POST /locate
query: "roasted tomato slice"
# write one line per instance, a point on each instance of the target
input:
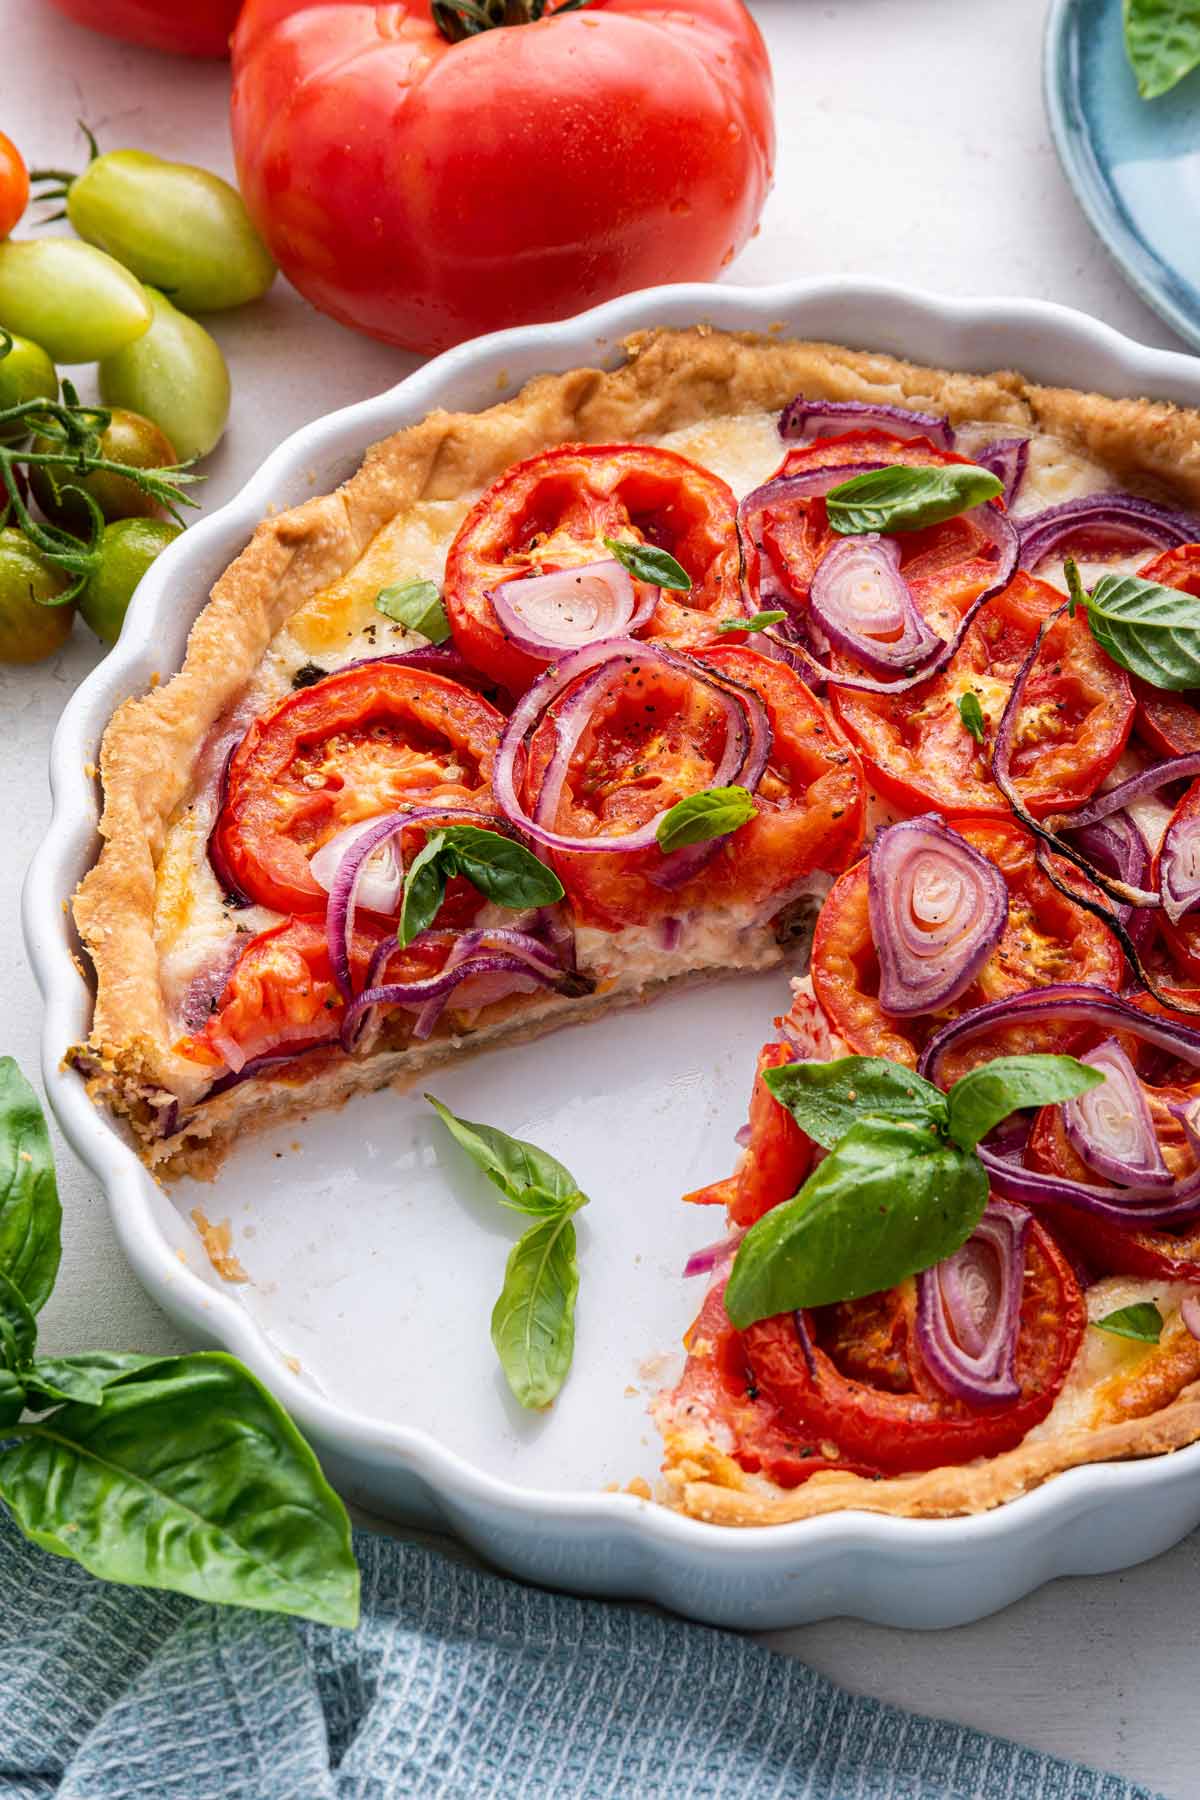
(657, 736)
(1170, 723)
(719, 1385)
(1182, 939)
(1077, 714)
(777, 1156)
(861, 1386)
(947, 566)
(1108, 1248)
(353, 746)
(1047, 939)
(554, 512)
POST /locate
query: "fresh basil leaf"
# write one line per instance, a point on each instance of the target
(1162, 41)
(529, 1179)
(424, 889)
(503, 870)
(759, 622)
(417, 606)
(712, 814)
(82, 1378)
(646, 562)
(18, 1327)
(30, 1213)
(971, 714)
(12, 1398)
(1150, 630)
(189, 1477)
(980, 1100)
(892, 1199)
(826, 1098)
(1141, 1321)
(533, 1322)
(903, 499)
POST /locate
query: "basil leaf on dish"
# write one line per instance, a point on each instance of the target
(971, 714)
(827, 1098)
(417, 606)
(55, 1379)
(503, 870)
(893, 1198)
(699, 817)
(424, 889)
(30, 1213)
(646, 562)
(759, 622)
(191, 1477)
(18, 1327)
(1162, 42)
(533, 1321)
(529, 1179)
(12, 1398)
(981, 1099)
(899, 499)
(1141, 1321)
(1150, 630)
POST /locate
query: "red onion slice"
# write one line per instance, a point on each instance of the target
(809, 420)
(382, 879)
(938, 909)
(1179, 863)
(747, 747)
(548, 615)
(1115, 799)
(787, 490)
(712, 1256)
(439, 659)
(1110, 1126)
(865, 607)
(1122, 522)
(523, 961)
(1189, 1312)
(969, 1310)
(1134, 1207)
(1007, 459)
(1115, 846)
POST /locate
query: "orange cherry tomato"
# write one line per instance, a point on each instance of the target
(14, 185)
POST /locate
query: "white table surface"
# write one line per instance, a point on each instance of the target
(912, 146)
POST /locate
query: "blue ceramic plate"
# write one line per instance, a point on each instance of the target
(1134, 164)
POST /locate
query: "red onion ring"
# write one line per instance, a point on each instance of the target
(970, 1348)
(748, 742)
(1007, 459)
(1134, 1207)
(1117, 848)
(517, 955)
(786, 489)
(439, 659)
(813, 419)
(1110, 1126)
(711, 1256)
(1123, 519)
(864, 605)
(938, 909)
(1112, 800)
(1179, 863)
(605, 601)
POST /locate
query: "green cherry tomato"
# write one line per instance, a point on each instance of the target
(129, 438)
(177, 227)
(26, 373)
(30, 629)
(126, 550)
(72, 299)
(176, 376)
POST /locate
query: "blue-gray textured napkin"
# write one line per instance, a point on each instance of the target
(457, 1684)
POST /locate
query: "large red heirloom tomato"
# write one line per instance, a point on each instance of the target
(425, 187)
(190, 27)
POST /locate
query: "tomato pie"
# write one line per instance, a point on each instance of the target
(744, 649)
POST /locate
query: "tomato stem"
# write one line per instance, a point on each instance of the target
(460, 19)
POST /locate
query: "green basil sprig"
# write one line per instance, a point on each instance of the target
(504, 872)
(1162, 42)
(176, 1472)
(760, 622)
(417, 606)
(1142, 1321)
(902, 1186)
(699, 817)
(533, 1321)
(646, 562)
(1150, 630)
(900, 499)
(971, 714)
